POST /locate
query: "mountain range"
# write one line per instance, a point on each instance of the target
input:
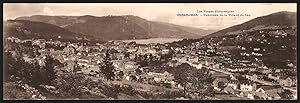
(130, 27)
(119, 27)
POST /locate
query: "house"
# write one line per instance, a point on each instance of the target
(70, 57)
(216, 66)
(272, 76)
(180, 55)
(165, 77)
(132, 56)
(69, 50)
(248, 94)
(41, 61)
(131, 77)
(233, 76)
(132, 49)
(206, 61)
(151, 51)
(179, 86)
(173, 63)
(269, 92)
(144, 51)
(69, 66)
(240, 68)
(119, 56)
(84, 59)
(130, 66)
(193, 59)
(97, 59)
(85, 64)
(92, 71)
(233, 84)
(251, 76)
(119, 64)
(265, 70)
(286, 81)
(197, 65)
(95, 53)
(165, 51)
(250, 86)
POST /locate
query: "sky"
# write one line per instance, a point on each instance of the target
(163, 12)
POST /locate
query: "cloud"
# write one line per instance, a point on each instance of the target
(48, 11)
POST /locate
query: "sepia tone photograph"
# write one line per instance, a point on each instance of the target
(149, 51)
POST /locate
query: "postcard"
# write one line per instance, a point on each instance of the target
(150, 51)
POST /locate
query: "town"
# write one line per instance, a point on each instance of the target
(147, 66)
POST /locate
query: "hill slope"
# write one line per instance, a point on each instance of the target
(119, 27)
(275, 20)
(271, 38)
(24, 29)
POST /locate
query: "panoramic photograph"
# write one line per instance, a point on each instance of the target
(149, 51)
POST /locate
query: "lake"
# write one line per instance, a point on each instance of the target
(153, 40)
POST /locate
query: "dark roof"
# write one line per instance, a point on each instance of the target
(246, 81)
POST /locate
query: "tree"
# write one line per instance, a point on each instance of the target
(121, 74)
(138, 71)
(194, 80)
(221, 85)
(107, 68)
(166, 57)
(286, 94)
(32, 73)
(23, 70)
(143, 63)
(37, 75)
(180, 73)
(50, 72)
(126, 54)
(43, 74)
(9, 63)
(76, 67)
(151, 58)
(70, 86)
(144, 58)
(12, 91)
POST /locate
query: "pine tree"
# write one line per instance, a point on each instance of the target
(49, 69)
(107, 67)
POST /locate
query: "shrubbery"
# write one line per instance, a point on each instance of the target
(12, 91)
